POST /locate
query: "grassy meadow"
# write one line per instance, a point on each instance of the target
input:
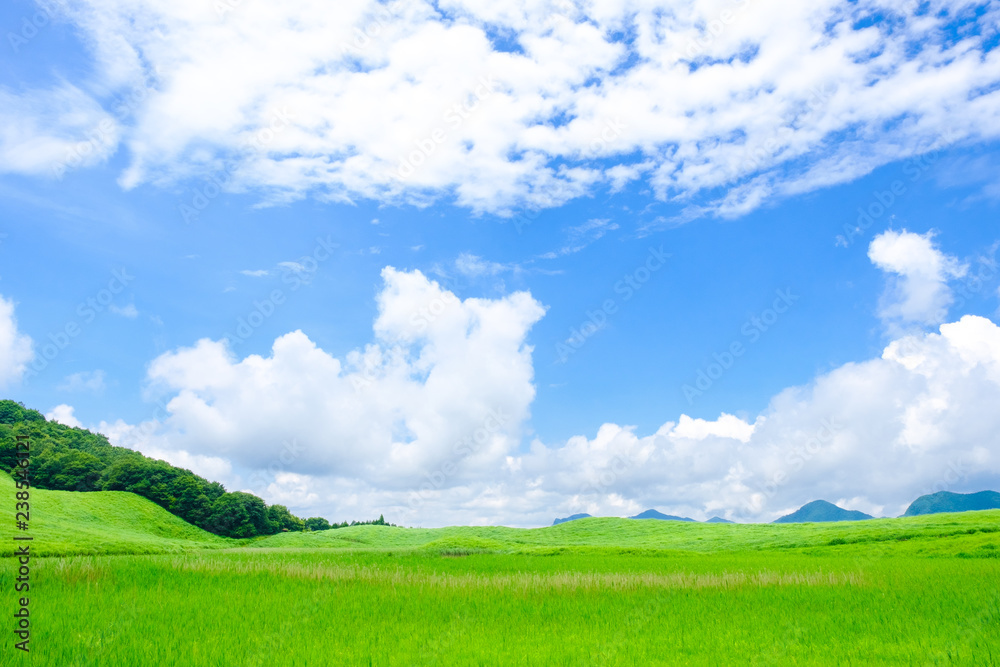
(124, 583)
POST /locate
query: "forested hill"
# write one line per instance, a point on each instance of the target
(75, 459)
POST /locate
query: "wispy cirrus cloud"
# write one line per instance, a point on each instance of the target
(85, 381)
(474, 266)
(128, 311)
(580, 236)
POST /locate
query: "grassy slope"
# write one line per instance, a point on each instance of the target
(114, 522)
(104, 522)
(967, 531)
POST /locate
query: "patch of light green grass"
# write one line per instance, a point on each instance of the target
(921, 590)
(262, 607)
(102, 522)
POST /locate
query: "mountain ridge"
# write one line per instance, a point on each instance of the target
(947, 501)
(653, 514)
(821, 510)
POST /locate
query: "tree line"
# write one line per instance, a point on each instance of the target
(74, 459)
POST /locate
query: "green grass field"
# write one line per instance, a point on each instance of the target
(125, 583)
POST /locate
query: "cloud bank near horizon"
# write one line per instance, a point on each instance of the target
(427, 424)
(719, 107)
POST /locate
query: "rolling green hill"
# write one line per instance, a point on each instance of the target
(116, 522)
(101, 522)
(64, 458)
(974, 533)
(946, 501)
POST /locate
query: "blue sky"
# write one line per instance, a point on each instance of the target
(677, 187)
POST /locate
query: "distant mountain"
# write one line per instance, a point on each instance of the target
(653, 514)
(718, 519)
(570, 518)
(820, 510)
(946, 501)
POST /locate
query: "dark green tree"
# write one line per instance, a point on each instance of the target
(190, 500)
(317, 523)
(239, 514)
(12, 412)
(283, 519)
(70, 470)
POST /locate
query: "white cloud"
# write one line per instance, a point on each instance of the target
(15, 347)
(257, 273)
(89, 381)
(64, 415)
(425, 425)
(872, 435)
(474, 266)
(143, 438)
(580, 236)
(726, 426)
(593, 229)
(291, 490)
(919, 292)
(762, 101)
(47, 132)
(128, 311)
(440, 370)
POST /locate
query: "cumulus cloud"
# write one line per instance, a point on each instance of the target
(144, 438)
(441, 373)
(919, 292)
(871, 435)
(64, 415)
(15, 347)
(756, 101)
(426, 425)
